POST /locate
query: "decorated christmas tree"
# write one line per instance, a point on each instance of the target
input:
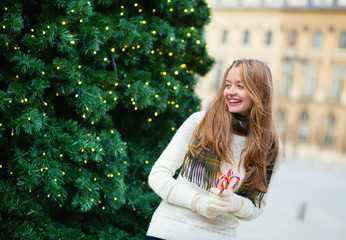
(90, 94)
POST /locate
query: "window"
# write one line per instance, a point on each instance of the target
(224, 36)
(282, 123)
(292, 38)
(219, 74)
(287, 78)
(246, 37)
(330, 131)
(337, 82)
(317, 39)
(335, 3)
(342, 40)
(310, 80)
(269, 38)
(304, 130)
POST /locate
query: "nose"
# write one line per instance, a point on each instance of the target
(231, 90)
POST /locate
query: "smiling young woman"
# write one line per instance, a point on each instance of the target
(236, 132)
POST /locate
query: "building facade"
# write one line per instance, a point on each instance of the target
(304, 44)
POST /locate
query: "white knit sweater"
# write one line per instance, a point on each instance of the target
(174, 219)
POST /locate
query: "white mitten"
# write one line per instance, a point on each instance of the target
(206, 206)
(228, 200)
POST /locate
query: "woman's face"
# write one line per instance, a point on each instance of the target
(235, 94)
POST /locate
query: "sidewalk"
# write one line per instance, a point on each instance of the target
(321, 186)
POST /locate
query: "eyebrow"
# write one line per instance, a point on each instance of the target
(227, 80)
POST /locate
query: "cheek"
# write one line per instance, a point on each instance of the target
(224, 93)
(248, 100)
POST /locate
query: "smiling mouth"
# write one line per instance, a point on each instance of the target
(234, 101)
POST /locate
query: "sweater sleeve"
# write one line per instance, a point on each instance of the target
(161, 176)
(249, 211)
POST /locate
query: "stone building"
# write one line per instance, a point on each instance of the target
(304, 44)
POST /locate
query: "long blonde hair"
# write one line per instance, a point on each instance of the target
(215, 130)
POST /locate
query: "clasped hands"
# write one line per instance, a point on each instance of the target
(214, 205)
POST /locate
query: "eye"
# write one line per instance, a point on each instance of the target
(240, 86)
(227, 85)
